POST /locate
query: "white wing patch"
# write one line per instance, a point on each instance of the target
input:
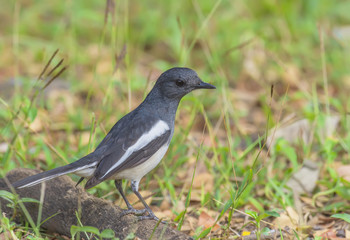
(157, 130)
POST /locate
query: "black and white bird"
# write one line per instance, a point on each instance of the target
(136, 143)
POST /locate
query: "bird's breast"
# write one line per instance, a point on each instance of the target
(136, 173)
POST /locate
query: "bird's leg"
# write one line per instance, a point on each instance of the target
(130, 210)
(134, 188)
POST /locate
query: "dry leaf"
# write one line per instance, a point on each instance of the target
(319, 233)
(347, 234)
(207, 221)
(292, 75)
(326, 222)
(104, 67)
(301, 130)
(201, 179)
(36, 125)
(165, 205)
(304, 180)
(331, 234)
(7, 235)
(180, 206)
(298, 130)
(193, 222)
(166, 214)
(306, 200)
(204, 179)
(289, 218)
(344, 172)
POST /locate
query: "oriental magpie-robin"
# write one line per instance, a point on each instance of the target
(136, 143)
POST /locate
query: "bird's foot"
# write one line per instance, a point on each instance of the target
(151, 216)
(137, 212)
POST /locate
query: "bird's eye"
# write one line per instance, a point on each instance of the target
(180, 83)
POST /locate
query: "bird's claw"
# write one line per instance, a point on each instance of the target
(140, 213)
(137, 212)
(151, 216)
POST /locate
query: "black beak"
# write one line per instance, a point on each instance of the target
(205, 85)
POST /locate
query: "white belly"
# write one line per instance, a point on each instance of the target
(86, 173)
(136, 173)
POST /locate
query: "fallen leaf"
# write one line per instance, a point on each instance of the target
(193, 222)
(326, 222)
(319, 233)
(301, 130)
(298, 130)
(207, 221)
(347, 234)
(306, 200)
(204, 179)
(165, 205)
(201, 179)
(36, 125)
(344, 172)
(291, 75)
(180, 206)
(289, 218)
(163, 214)
(331, 234)
(304, 180)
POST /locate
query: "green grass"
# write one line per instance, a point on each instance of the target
(242, 47)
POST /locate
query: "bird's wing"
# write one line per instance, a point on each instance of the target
(137, 139)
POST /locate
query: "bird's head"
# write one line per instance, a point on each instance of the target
(177, 82)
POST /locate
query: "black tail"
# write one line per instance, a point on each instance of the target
(77, 166)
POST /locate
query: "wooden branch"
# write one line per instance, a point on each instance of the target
(62, 200)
